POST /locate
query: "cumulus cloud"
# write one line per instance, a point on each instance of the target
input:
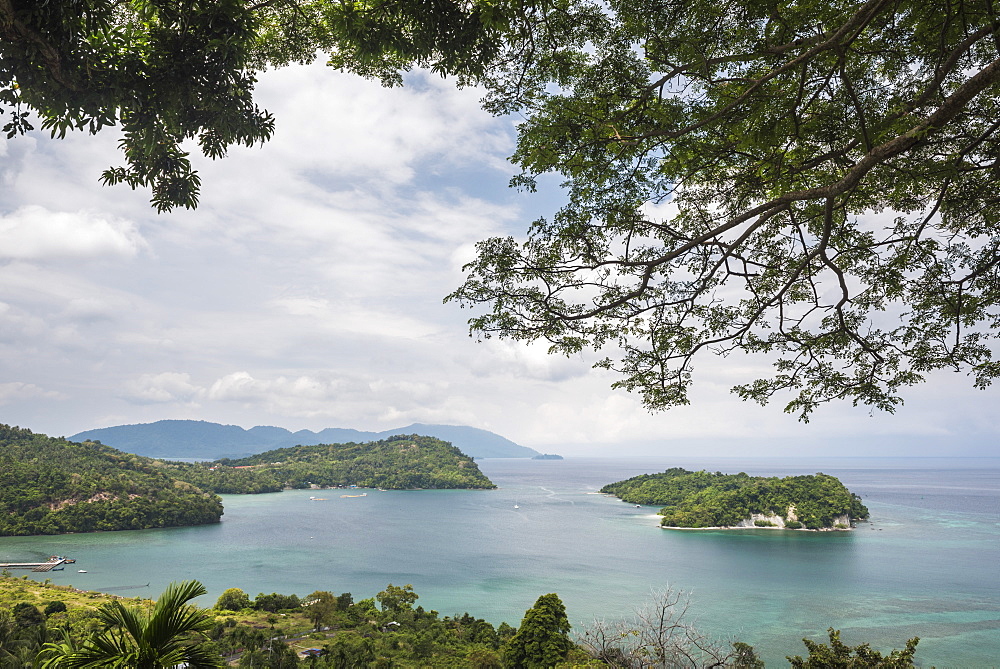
(166, 387)
(306, 289)
(343, 400)
(365, 130)
(353, 318)
(16, 390)
(528, 361)
(282, 390)
(18, 327)
(33, 232)
(95, 307)
(239, 386)
(417, 389)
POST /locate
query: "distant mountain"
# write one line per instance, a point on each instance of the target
(201, 439)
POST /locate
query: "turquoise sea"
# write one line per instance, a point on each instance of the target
(927, 565)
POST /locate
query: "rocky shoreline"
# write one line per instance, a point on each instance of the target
(841, 523)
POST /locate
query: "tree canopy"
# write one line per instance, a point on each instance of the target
(839, 654)
(233, 599)
(168, 71)
(808, 183)
(659, 635)
(101, 630)
(542, 640)
(169, 635)
(52, 486)
(811, 184)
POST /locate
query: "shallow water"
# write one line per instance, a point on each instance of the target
(928, 565)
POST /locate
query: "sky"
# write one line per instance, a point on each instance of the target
(306, 292)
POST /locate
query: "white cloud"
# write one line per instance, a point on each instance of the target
(25, 391)
(339, 125)
(238, 386)
(405, 387)
(281, 391)
(95, 307)
(314, 307)
(528, 361)
(166, 387)
(320, 314)
(19, 328)
(306, 289)
(33, 232)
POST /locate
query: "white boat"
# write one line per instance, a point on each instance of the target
(81, 571)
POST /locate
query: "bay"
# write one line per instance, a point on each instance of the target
(928, 565)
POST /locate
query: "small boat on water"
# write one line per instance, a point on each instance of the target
(81, 571)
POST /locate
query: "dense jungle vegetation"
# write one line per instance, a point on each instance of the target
(703, 499)
(44, 625)
(52, 486)
(398, 462)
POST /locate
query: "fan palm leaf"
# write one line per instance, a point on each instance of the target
(167, 636)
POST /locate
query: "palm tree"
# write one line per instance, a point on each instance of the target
(168, 636)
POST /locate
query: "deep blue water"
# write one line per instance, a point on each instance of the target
(928, 565)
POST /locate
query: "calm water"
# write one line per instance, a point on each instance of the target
(928, 565)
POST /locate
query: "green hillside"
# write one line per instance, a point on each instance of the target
(703, 499)
(53, 486)
(399, 462)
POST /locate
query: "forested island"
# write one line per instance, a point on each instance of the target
(54, 486)
(702, 499)
(399, 462)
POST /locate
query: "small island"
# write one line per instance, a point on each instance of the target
(703, 500)
(547, 456)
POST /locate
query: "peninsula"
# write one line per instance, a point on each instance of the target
(399, 462)
(705, 500)
(55, 486)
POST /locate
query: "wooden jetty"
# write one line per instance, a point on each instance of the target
(52, 562)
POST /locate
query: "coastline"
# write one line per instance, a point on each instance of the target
(754, 527)
(931, 572)
(842, 523)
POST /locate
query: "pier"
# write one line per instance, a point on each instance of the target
(49, 565)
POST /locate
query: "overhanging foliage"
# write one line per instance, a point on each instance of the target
(810, 181)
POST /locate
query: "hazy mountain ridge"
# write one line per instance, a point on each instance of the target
(202, 439)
